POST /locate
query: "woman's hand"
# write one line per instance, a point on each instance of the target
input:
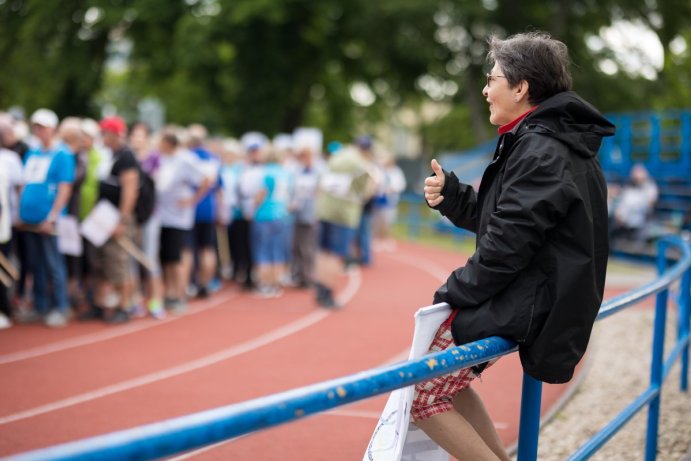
(434, 185)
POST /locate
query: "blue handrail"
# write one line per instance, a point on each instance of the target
(208, 427)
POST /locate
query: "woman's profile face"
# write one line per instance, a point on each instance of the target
(502, 106)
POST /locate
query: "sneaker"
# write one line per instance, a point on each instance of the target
(191, 291)
(136, 311)
(156, 309)
(93, 313)
(179, 307)
(28, 316)
(168, 303)
(325, 298)
(119, 315)
(203, 292)
(214, 285)
(55, 319)
(329, 302)
(276, 292)
(264, 291)
(5, 321)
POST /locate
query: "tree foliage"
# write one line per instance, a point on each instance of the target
(272, 65)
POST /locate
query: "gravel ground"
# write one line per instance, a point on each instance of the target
(618, 371)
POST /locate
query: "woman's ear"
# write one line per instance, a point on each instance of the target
(521, 91)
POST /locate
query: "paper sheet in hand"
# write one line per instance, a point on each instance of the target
(69, 240)
(395, 438)
(100, 224)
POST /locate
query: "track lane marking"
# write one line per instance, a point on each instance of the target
(354, 283)
(403, 355)
(432, 269)
(92, 338)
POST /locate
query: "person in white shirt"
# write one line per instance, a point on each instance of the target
(386, 200)
(250, 182)
(10, 181)
(180, 184)
(633, 206)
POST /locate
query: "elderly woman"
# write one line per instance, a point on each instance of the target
(540, 214)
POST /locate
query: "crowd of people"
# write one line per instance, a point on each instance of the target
(105, 221)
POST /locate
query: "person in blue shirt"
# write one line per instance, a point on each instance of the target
(206, 215)
(48, 176)
(269, 248)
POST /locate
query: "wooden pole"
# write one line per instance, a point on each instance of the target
(136, 253)
(9, 267)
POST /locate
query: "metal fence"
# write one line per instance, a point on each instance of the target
(200, 429)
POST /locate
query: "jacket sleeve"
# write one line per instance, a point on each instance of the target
(459, 204)
(534, 195)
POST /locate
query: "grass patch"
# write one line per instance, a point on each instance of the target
(432, 238)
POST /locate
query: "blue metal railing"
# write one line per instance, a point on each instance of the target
(185, 433)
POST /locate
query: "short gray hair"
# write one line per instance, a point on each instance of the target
(536, 58)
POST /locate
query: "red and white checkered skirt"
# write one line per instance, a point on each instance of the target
(435, 396)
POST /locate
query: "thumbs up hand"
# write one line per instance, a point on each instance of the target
(434, 185)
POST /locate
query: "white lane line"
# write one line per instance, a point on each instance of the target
(354, 283)
(432, 269)
(193, 365)
(435, 271)
(105, 335)
(403, 355)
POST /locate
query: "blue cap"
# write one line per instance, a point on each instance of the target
(333, 147)
(364, 142)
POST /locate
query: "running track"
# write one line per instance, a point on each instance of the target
(89, 379)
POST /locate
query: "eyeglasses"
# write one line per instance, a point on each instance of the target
(491, 77)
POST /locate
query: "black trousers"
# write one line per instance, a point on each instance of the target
(5, 291)
(240, 245)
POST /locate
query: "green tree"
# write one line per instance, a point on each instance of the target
(273, 65)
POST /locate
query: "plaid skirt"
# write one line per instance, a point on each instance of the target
(435, 396)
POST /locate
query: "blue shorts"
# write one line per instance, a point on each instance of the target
(268, 242)
(336, 239)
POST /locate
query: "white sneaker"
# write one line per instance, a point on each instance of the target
(55, 320)
(263, 291)
(5, 322)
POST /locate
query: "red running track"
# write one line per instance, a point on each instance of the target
(90, 379)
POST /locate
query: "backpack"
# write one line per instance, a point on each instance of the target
(146, 199)
(109, 189)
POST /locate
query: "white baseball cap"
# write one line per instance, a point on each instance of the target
(44, 117)
(90, 128)
(253, 140)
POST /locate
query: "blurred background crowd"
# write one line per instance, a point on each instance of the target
(192, 212)
(408, 73)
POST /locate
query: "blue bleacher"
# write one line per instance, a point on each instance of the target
(662, 142)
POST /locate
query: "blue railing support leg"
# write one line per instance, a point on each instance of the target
(529, 430)
(684, 320)
(656, 367)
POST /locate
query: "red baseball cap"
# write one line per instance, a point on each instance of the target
(114, 125)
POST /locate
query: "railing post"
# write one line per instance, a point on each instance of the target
(684, 318)
(656, 367)
(529, 429)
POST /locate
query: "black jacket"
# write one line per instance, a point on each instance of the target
(540, 215)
